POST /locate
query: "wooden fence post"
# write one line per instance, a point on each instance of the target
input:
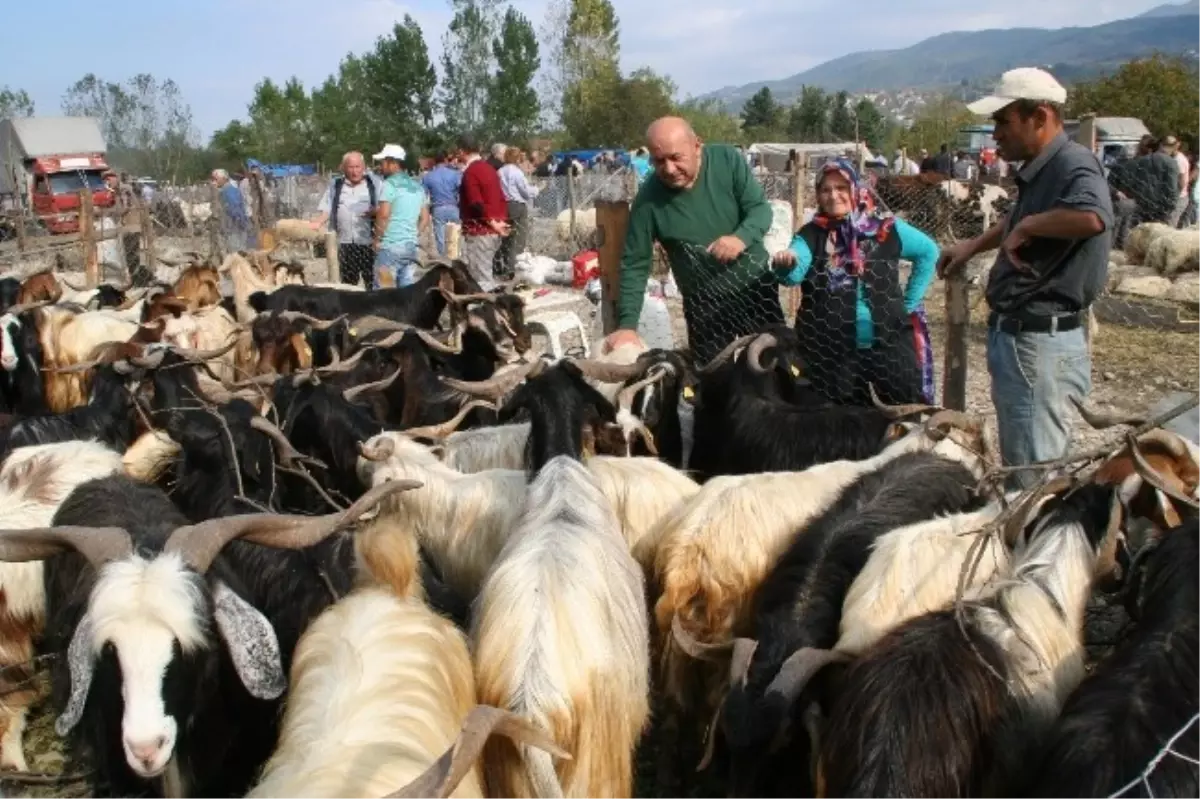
(147, 226)
(331, 256)
(87, 237)
(453, 239)
(571, 203)
(958, 318)
(612, 220)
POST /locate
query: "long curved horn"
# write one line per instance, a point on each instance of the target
(339, 366)
(1102, 420)
(755, 350)
(317, 324)
(284, 450)
(947, 418)
(604, 372)
(724, 355)
(498, 384)
(151, 361)
(20, 308)
(1168, 440)
(61, 278)
(1024, 512)
(198, 545)
(900, 411)
(1152, 476)
(371, 324)
(625, 396)
(378, 452)
(440, 431)
(98, 544)
(206, 355)
(441, 778)
(462, 299)
(434, 344)
(800, 668)
(379, 385)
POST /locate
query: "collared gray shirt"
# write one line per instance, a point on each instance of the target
(352, 224)
(1065, 275)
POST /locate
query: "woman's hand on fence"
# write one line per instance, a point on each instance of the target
(784, 259)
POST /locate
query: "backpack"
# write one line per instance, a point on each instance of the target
(337, 195)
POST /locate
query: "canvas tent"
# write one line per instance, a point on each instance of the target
(774, 156)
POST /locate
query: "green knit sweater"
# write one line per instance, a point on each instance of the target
(725, 200)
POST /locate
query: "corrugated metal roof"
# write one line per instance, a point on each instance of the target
(45, 136)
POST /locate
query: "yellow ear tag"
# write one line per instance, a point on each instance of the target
(307, 351)
(353, 331)
(795, 371)
(688, 392)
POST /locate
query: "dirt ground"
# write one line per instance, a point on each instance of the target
(1133, 369)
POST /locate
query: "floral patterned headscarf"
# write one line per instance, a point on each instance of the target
(865, 220)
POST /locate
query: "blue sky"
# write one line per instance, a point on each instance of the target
(216, 50)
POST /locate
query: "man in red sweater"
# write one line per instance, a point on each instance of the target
(483, 211)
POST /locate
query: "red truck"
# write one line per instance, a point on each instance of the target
(45, 162)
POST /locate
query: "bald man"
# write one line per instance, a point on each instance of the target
(349, 207)
(704, 206)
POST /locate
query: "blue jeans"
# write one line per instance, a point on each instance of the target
(441, 214)
(1033, 374)
(394, 266)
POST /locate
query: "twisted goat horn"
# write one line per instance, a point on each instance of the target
(696, 649)
(1025, 511)
(380, 451)
(1102, 420)
(626, 395)
(379, 385)
(724, 355)
(947, 418)
(605, 372)
(284, 450)
(440, 431)
(900, 411)
(754, 352)
(98, 544)
(198, 545)
(498, 384)
(434, 344)
(1154, 478)
(317, 324)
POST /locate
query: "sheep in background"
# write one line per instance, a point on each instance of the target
(560, 638)
(585, 226)
(1137, 243)
(1174, 251)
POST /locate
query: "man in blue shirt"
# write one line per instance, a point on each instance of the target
(401, 208)
(442, 184)
(235, 221)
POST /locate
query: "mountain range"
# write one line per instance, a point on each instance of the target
(974, 58)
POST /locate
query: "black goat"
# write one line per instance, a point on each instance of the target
(22, 390)
(10, 290)
(959, 702)
(799, 605)
(1122, 715)
(666, 408)
(108, 418)
(172, 661)
(420, 304)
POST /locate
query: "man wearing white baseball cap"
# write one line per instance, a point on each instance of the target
(1053, 262)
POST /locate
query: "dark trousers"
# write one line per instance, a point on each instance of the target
(514, 243)
(720, 314)
(355, 264)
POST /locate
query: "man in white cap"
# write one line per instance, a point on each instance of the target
(1053, 262)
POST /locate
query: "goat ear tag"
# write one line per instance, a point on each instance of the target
(795, 371)
(689, 393)
(252, 644)
(81, 663)
(354, 331)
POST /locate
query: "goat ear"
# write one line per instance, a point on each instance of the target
(252, 644)
(438, 451)
(81, 663)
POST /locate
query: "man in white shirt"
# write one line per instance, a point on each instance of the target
(356, 196)
(1170, 146)
(904, 165)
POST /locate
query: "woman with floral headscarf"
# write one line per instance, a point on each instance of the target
(858, 326)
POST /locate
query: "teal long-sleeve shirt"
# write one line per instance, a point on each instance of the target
(915, 246)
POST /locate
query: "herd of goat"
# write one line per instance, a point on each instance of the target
(311, 541)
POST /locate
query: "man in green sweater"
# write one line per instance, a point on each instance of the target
(706, 209)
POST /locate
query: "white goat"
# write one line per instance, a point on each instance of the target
(560, 639)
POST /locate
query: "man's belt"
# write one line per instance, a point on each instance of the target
(1031, 323)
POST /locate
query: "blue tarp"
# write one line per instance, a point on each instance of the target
(587, 156)
(281, 170)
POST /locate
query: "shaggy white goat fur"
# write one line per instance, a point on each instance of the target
(462, 520)
(482, 448)
(1174, 251)
(147, 458)
(641, 491)
(560, 638)
(34, 481)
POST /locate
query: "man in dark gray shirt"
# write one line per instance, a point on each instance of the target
(1053, 262)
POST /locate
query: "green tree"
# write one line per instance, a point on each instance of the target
(15, 103)
(1161, 91)
(761, 112)
(711, 122)
(392, 88)
(90, 96)
(512, 107)
(873, 128)
(938, 122)
(590, 70)
(841, 120)
(467, 64)
(808, 120)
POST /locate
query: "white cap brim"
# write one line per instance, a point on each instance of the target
(989, 105)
